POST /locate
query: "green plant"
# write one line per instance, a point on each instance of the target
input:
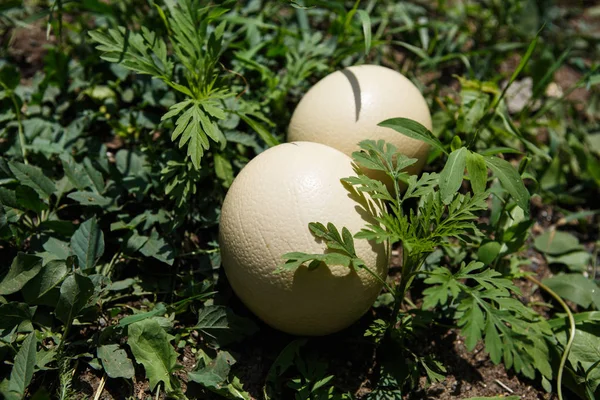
(111, 277)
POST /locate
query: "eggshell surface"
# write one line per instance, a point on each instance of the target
(266, 214)
(345, 107)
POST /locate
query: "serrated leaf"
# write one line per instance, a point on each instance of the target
(477, 172)
(151, 347)
(33, 177)
(175, 109)
(88, 243)
(222, 327)
(215, 373)
(452, 175)
(75, 292)
(414, 130)
(23, 268)
(511, 181)
(472, 323)
(332, 259)
(22, 370)
(115, 361)
(493, 344)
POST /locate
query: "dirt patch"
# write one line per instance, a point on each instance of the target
(472, 374)
(27, 46)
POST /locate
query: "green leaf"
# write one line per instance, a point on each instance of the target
(223, 169)
(23, 269)
(510, 180)
(8, 198)
(9, 76)
(151, 347)
(475, 110)
(556, 242)
(89, 198)
(575, 287)
(75, 292)
(157, 247)
(82, 175)
(585, 351)
(262, 132)
(14, 314)
(215, 373)
(221, 326)
(575, 261)
(488, 252)
(88, 243)
(158, 310)
(452, 175)
(22, 370)
(477, 172)
(115, 361)
(49, 277)
(29, 199)
(131, 163)
(414, 130)
(33, 177)
(135, 242)
(366, 25)
(57, 248)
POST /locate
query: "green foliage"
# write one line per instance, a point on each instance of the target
(151, 347)
(196, 50)
(214, 375)
(23, 369)
(115, 361)
(121, 133)
(311, 380)
(222, 327)
(583, 376)
(342, 251)
(513, 333)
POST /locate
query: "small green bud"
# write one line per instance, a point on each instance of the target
(456, 143)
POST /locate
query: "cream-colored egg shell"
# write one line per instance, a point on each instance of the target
(345, 107)
(266, 214)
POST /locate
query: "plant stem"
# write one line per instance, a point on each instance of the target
(19, 123)
(380, 279)
(409, 267)
(565, 355)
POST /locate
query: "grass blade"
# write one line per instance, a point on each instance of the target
(366, 25)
